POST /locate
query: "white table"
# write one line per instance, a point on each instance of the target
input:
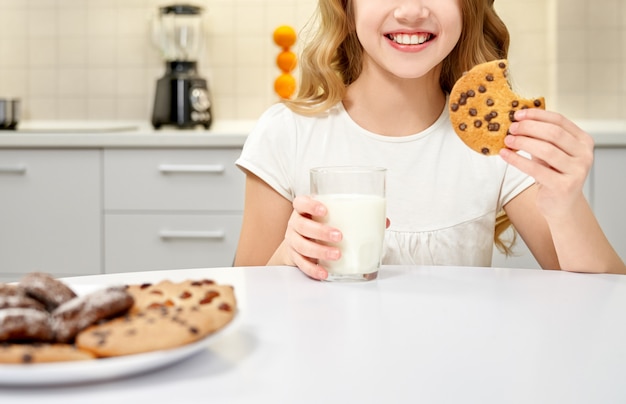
(417, 334)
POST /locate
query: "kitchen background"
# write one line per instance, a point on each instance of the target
(94, 59)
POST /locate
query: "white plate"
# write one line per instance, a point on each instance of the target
(105, 368)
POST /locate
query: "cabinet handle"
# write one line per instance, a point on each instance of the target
(191, 168)
(190, 234)
(16, 169)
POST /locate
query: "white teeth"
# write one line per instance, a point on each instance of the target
(406, 39)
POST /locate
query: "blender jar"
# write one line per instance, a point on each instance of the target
(178, 32)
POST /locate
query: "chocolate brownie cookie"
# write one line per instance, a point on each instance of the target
(46, 289)
(81, 312)
(25, 324)
(15, 296)
(40, 353)
(482, 105)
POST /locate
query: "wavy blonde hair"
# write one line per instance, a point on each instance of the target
(333, 58)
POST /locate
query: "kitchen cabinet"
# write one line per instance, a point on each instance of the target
(50, 212)
(609, 195)
(171, 208)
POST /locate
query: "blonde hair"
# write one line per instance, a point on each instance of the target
(333, 58)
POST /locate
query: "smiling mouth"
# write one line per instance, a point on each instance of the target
(410, 39)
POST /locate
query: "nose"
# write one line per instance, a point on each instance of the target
(411, 10)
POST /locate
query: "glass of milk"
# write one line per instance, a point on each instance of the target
(355, 199)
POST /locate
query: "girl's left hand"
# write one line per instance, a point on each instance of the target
(561, 157)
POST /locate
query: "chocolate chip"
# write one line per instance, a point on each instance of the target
(185, 295)
(473, 112)
(489, 77)
(493, 127)
(145, 285)
(537, 103)
(515, 104)
(471, 93)
(501, 65)
(484, 150)
(462, 100)
(463, 126)
(482, 89)
(225, 307)
(193, 330)
(489, 102)
(27, 358)
(454, 107)
(488, 117)
(512, 116)
(478, 123)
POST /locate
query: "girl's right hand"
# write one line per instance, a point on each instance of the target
(303, 236)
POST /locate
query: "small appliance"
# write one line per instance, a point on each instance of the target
(182, 97)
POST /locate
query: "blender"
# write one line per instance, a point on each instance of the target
(182, 97)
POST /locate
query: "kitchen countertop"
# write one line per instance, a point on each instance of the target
(78, 134)
(225, 133)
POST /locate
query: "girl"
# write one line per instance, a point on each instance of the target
(373, 91)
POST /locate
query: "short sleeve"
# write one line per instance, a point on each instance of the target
(269, 150)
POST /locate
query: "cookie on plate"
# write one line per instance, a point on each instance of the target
(15, 296)
(25, 324)
(165, 315)
(482, 105)
(44, 288)
(181, 294)
(41, 353)
(81, 312)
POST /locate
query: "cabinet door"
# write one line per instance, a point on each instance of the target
(142, 242)
(50, 216)
(609, 195)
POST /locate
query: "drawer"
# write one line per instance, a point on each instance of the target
(143, 242)
(173, 179)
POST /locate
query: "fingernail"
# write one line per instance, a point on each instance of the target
(335, 235)
(513, 127)
(334, 254)
(320, 210)
(509, 140)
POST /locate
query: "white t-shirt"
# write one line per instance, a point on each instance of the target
(442, 197)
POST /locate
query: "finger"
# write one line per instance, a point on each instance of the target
(546, 133)
(305, 204)
(543, 153)
(553, 118)
(538, 170)
(311, 268)
(311, 229)
(314, 250)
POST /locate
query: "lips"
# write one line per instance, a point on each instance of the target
(417, 38)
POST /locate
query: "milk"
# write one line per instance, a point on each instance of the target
(361, 219)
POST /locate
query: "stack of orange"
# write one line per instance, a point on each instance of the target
(285, 84)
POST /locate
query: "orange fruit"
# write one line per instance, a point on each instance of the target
(284, 36)
(286, 61)
(285, 85)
